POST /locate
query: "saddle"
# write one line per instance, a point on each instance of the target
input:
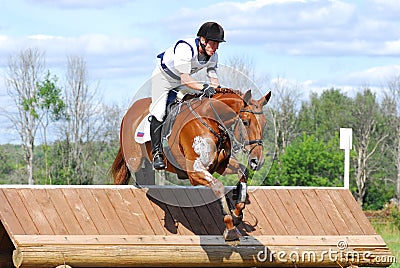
(174, 103)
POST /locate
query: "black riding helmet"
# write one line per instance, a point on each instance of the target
(211, 31)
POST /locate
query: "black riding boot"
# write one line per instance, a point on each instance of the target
(155, 134)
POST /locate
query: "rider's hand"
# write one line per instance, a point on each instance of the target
(208, 90)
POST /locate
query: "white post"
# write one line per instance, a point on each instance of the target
(346, 168)
(346, 140)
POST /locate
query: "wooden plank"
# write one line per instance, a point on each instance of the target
(267, 240)
(107, 209)
(301, 202)
(261, 224)
(35, 210)
(345, 213)
(136, 213)
(64, 211)
(128, 220)
(176, 213)
(162, 212)
(328, 228)
(208, 196)
(205, 216)
(357, 212)
(293, 211)
(214, 208)
(194, 219)
(269, 212)
(151, 215)
(50, 212)
(94, 212)
(285, 218)
(21, 211)
(332, 211)
(9, 219)
(80, 211)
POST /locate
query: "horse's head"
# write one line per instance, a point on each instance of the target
(253, 121)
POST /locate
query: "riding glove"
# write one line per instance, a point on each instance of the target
(208, 90)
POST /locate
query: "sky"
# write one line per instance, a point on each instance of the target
(317, 44)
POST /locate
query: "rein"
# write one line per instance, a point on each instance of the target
(225, 133)
(221, 137)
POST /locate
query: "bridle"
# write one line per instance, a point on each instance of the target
(237, 145)
(243, 141)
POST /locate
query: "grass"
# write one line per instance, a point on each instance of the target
(391, 234)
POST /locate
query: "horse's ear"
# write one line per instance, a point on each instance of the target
(264, 100)
(247, 96)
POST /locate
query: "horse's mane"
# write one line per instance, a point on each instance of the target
(225, 90)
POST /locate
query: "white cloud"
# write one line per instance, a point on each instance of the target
(296, 27)
(80, 3)
(96, 44)
(102, 52)
(392, 47)
(375, 76)
(256, 4)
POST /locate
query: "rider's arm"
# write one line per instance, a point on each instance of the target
(189, 81)
(214, 82)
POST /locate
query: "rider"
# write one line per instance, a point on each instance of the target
(174, 69)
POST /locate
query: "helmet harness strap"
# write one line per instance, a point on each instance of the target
(203, 47)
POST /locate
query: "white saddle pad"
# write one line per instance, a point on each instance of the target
(142, 133)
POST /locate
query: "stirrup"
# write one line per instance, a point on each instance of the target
(158, 161)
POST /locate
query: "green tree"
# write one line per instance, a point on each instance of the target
(309, 162)
(24, 72)
(368, 136)
(326, 114)
(391, 109)
(51, 108)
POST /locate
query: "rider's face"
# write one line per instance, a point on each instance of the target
(211, 46)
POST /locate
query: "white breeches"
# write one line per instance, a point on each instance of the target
(161, 84)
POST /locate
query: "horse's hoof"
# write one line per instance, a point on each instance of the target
(232, 236)
(237, 219)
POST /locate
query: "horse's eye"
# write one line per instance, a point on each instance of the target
(246, 123)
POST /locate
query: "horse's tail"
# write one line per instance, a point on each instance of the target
(120, 170)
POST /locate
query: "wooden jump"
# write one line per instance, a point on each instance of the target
(120, 226)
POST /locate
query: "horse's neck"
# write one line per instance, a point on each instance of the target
(231, 99)
(225, 107)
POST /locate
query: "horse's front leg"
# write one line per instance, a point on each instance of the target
(240, 195)
(203, 177)
(231, 233)
(198, 161)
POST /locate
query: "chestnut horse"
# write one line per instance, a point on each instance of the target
(202, 140)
